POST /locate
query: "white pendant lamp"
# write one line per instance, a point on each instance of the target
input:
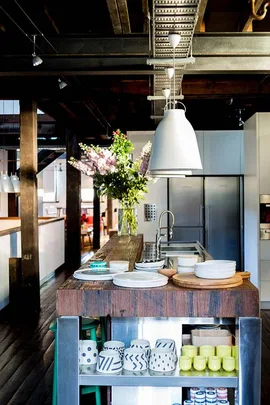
(175, 149)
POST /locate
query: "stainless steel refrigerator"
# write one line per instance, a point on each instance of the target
(209, 209)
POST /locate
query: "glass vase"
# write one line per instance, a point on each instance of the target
(127, 221)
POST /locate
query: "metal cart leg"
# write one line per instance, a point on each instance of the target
(68, 360)
(250, 353)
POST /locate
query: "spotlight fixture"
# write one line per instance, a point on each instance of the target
(61, 84)
(169, 72)
(36, 59)
(166, 93)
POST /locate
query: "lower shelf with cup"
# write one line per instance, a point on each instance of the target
(172, 386)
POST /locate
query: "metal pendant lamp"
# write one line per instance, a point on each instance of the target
(175, 151)
(175, 148)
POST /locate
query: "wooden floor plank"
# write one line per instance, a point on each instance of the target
(43, 389)
(23, 393)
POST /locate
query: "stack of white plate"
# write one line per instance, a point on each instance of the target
(139, 280)
(215, 269)
(149, 266)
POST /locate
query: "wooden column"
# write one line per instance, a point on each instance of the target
(12, 197)
(96, 238)
(73, 222)
(29, 206)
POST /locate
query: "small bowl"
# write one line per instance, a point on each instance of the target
(121, 265)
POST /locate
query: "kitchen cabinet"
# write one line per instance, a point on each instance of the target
(256, 182)
(200, 138)
(222, 152)
(263, 152)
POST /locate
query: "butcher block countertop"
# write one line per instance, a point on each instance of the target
(102, 298)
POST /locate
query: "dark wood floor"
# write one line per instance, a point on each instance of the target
(27, 349)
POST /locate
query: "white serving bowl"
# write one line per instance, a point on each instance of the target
(213, 273)
(187, 260)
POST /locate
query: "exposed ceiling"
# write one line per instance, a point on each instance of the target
(100, 50)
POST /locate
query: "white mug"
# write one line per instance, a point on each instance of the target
(116, 345)
(166, 343)
(162, 360)
(135, 359)
(88, 352)
(109, 362)
(141, 344)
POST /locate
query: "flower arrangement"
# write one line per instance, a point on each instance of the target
(116, 175)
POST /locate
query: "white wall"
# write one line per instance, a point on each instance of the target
(3, 196)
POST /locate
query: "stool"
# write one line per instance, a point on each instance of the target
(87, 325)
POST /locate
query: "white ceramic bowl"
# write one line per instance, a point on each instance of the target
(214, 274)
(121, 265)
(183, 269)
(187, 260)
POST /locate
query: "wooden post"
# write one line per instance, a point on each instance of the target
(29, 206)
(109, 215)
(12, 197)
(96, 238)
(73, 247)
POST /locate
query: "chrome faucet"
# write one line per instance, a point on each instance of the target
(160, 227)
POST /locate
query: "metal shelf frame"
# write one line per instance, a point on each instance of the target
(247, 335)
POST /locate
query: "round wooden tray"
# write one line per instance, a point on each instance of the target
(244, 274)
(189, 280)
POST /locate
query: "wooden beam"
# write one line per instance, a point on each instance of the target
(145, 9)
(115, 17)
(124, 16)
(73, 222)
(29, 205)
(201, 12)
(248, 24)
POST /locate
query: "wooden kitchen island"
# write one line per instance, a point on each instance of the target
(151, 314)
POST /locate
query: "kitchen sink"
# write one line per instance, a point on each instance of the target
(178, 249)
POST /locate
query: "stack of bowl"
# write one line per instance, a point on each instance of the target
(215, 269)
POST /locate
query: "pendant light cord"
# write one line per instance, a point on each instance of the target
(174, 78)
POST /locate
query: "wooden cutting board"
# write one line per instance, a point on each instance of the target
(189, 280)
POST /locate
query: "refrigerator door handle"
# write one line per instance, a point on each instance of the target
(201, 219)
(207, 224)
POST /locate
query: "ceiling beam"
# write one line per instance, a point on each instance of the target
(124, 16)
(248, 23)
(115, 16)
(200, 21)
(207, 44)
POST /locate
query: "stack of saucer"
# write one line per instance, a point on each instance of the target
(215, 269)
(152, 266)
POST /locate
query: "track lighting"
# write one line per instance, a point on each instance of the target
(36, 59)
(61, 84)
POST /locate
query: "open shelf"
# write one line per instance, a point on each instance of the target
(88, 376)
